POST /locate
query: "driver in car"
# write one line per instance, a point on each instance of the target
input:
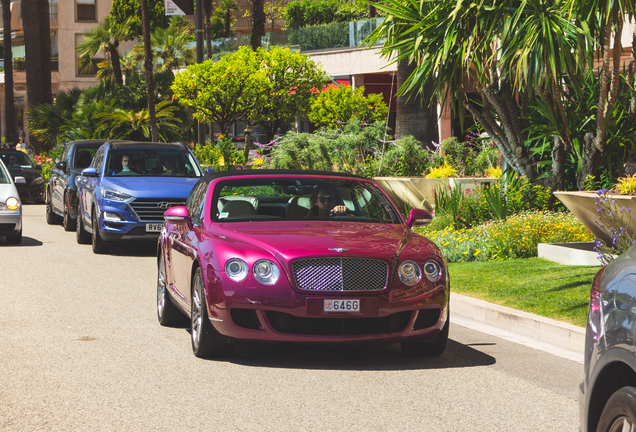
(325, 202)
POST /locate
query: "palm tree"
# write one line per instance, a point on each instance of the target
(11, 134)
(150, 84)
(171, 48)
(225, 9)
(45, 121)
(132, 125)
(104, 39)
(258, 26)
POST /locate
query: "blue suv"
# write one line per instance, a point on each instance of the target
(127, 188)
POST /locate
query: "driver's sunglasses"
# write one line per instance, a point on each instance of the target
(326, 199)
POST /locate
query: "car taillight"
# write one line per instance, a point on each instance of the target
(595, 290)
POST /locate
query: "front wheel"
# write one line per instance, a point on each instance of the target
(51, 217)
(81, 235)
(429, 348)
(166, 310)
(619, 413)
(99, 246)
(68, 222)
(205, 341)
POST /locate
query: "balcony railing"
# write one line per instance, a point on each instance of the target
(52, 15)
(335, 35)
(19, 64)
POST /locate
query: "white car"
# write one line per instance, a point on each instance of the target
(10, 207)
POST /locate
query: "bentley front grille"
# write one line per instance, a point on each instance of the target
(341, 274)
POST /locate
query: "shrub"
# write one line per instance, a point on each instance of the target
(321, 36)
(517, 237)
(615, 219)
(626, 185)
(444, 171)
(305, 13)
(340, 105)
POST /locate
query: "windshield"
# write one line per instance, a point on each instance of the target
(4, 176)
(151, 163)
(16, 160)
(256, 199)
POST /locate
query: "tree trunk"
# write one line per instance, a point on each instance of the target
(114, 59)
(207, 9)
(145, 21)
(417, 115)
(44, 18)
(33, 60)
(11, 134)
(227, 24)
(258, 28)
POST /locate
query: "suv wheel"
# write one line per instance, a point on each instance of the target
(619, 413)
(81, 235)
(99, 246)
(68, 222)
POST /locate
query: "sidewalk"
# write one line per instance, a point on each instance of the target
(558, 338)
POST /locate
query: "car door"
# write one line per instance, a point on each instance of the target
(59, 176)
(183, 241)
(86, 188)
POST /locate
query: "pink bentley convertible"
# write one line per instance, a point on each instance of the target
(300, 256)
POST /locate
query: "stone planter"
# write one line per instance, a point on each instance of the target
(583, 205)
(417, 192)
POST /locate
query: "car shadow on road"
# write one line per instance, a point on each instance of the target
(124, 249)
(352, 357)
(26, 241)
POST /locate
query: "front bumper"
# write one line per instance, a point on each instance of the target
(128, 228)
(10, 222)
(31, 192)
(279, 314)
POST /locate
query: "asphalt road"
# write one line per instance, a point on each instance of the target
(81, 349)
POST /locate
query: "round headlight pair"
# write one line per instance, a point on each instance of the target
(410, 273)
(264, 271)
(13, 203)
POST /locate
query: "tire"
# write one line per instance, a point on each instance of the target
(81, 235)
(167, 312)
(51, 217)
(99, 246)
(205, 341)
(619, 413)
(429, 348)
(68, 222)
(15, 239)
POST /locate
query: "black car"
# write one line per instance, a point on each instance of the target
(608, 393)
(20, 164)
(61, 190)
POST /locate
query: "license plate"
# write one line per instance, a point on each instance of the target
(342, 305)
(154, 227)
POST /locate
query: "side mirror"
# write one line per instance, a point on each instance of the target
(210, 170)
(419, 217)
(61, 166)
(177, 215)
(19, 180)
(89, 172)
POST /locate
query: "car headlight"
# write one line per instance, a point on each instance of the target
(432, 270)
(13, 203)
(266, 272)
(37, 181)
(113, 195)
(236, 269)
(409, 272)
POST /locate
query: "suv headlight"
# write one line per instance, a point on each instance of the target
(409, 272)
(432, 270)
(236, 269)
(113, 195)
(38, 180)
(266, 272)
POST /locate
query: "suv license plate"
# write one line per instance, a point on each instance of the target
(154, 227)
(342, 305)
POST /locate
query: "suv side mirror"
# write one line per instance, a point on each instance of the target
(61, 166)
(90, 172)
(419, 217)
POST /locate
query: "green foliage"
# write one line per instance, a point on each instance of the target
(614, 219)
(340, 105)
(122, 10)
(172, 48)
(208, 155)
(444, 171)
(323, 36)
(496, 199)
(516, 237)
(223, 92)
(45, 121)
(304, 13)
(135, 126)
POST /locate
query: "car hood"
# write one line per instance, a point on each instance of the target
(8, 190)
(291, 240)
(152, 187)
(27, 173)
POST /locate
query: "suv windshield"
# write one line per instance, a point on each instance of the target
(151, 163)
(16, 159)
(301, 199)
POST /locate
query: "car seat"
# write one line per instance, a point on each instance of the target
(237, 209)
(298, 207)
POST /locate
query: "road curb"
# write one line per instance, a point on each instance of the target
(560, 335)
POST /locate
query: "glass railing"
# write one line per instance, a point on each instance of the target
(19, 64)
(335, 35)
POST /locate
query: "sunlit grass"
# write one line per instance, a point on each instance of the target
(531, 285)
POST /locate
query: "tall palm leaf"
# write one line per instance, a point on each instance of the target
(171, 47)
(131, 125)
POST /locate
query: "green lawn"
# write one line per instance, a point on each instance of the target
(532, 285)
